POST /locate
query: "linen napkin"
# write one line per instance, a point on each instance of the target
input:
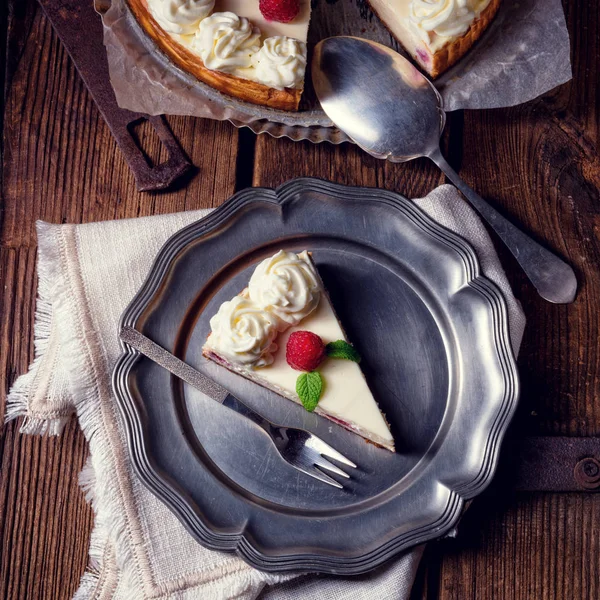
(138, 549)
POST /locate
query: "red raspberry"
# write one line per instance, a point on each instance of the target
(283, 11)
(305, 351)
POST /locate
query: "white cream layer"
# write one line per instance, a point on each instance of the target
(346, 395)
(284, 67)
(428, 25)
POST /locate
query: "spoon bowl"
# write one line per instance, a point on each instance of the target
(392, 111)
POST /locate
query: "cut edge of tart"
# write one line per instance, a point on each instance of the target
(346, 399)
(437, 62)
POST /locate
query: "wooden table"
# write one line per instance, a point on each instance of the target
(539, 162)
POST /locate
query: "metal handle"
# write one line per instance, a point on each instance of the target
(554, 279)
(171, 363)
(551, 464)
(185, 372)
(243, 409)
(147, 176)
(85, 46)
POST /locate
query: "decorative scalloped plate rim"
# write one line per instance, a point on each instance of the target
(242, 543)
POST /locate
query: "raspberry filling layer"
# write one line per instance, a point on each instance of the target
(423, 56)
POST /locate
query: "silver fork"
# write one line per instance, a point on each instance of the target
(300, 448)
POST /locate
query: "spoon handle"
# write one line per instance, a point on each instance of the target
(553, 278)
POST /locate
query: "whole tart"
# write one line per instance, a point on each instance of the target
(179, 48)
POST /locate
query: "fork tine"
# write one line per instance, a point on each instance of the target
(323, 463)
(316, 443)
(317, 474)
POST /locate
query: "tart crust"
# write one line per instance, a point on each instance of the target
(451, 53)
(244, 89)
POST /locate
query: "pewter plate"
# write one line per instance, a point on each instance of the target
(434, 337)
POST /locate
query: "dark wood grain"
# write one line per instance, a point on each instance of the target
(61, 164)
(538, 162)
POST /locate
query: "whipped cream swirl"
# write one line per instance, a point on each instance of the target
(180, 16)
(281, 62)
(244, 333)
(287, 285)
(445, 18)
(227, 42)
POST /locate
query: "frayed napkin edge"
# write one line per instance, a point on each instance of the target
(18, 399)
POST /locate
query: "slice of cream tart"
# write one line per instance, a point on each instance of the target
(231, 46)
(436, 33)
(249, 336)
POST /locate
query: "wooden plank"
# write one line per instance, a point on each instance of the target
(539, 163)
(44, 523)
(544, 171)
(534, 546)
(62, 165)
(278, 161)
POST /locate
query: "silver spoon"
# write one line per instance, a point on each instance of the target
(383, 103)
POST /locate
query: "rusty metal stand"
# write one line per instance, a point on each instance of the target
(79, 28)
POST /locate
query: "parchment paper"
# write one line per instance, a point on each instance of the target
(524, 54)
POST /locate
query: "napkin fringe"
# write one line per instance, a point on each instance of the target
(90, 580)
(87, 483)
(87, 585)
(17, 401)
(108, 526)
(59, 267)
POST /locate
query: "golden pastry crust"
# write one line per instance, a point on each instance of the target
(451, 53)
(244, 89)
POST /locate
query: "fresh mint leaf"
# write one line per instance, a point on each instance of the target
(309, 387)
(342, 349)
